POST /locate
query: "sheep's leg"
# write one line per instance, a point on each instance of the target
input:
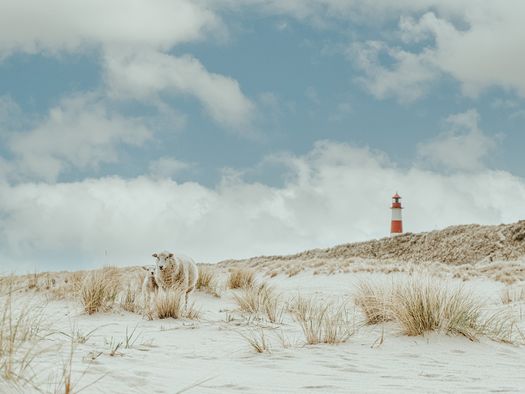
(187, 295)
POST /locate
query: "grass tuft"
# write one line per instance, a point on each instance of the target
(241, 278)
(260, 299)
(374, 302)
(512, 294)
(20, 334)
(322, 322)
(170, 304)
(207, 281)
(99, 290)
(422, 304)
(257, 340)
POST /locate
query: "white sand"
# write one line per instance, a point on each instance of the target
(170, 355)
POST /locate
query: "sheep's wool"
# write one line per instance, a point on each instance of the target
(173, 276)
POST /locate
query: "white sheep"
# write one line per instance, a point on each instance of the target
(149, 285)
(176, 271)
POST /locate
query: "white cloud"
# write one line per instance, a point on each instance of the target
(134, 40)
(478, 44)
(407, 79)
(463, 147)
(33, 26)
(78, 133)
(147, 74)
(336, 193)
(167, 167)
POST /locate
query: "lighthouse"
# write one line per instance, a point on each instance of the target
(396, 226)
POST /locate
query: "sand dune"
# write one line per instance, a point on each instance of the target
(464, 251)
(250, 336)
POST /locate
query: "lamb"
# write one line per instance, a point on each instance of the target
(149, 285)
(176, 271)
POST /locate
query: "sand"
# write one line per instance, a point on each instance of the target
(209, 355)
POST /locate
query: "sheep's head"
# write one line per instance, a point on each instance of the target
(150, 269)
(162, 259)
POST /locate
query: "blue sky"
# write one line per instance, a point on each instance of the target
(231, 129)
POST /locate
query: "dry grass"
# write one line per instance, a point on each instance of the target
(170, 304)
(70, 288)
(257, 340)
(421, 304)
(261, 299)
(273, 308)
(322, 322)
(99, 290)
(424, 304)
(129, 299)
(511, 294)
(20, 335)
(208, 281)
(294, 270)
(251, 299)
(374, 302)
(241, 278)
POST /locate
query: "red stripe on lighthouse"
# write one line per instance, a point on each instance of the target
(396, 227)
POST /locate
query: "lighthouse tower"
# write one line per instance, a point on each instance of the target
(396, 226)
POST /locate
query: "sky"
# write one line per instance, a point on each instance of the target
(230, 129)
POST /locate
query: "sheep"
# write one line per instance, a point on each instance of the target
(149, 285)
(176, 271)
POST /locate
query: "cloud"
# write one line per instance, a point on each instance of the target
(61, 25)
(79, 133)
(167, 167)
(464, 147)
(10, 114)
(479, 45)
(323, 13)
(145, 75)
(335, 193)
(407, 78)
(134, 41)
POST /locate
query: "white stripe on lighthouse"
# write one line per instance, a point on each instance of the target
(396, 213)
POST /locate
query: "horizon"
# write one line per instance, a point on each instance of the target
(233, 130)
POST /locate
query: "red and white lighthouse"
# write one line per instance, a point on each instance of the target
(396, 226)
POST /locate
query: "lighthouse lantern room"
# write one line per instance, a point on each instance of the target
(396, 226)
